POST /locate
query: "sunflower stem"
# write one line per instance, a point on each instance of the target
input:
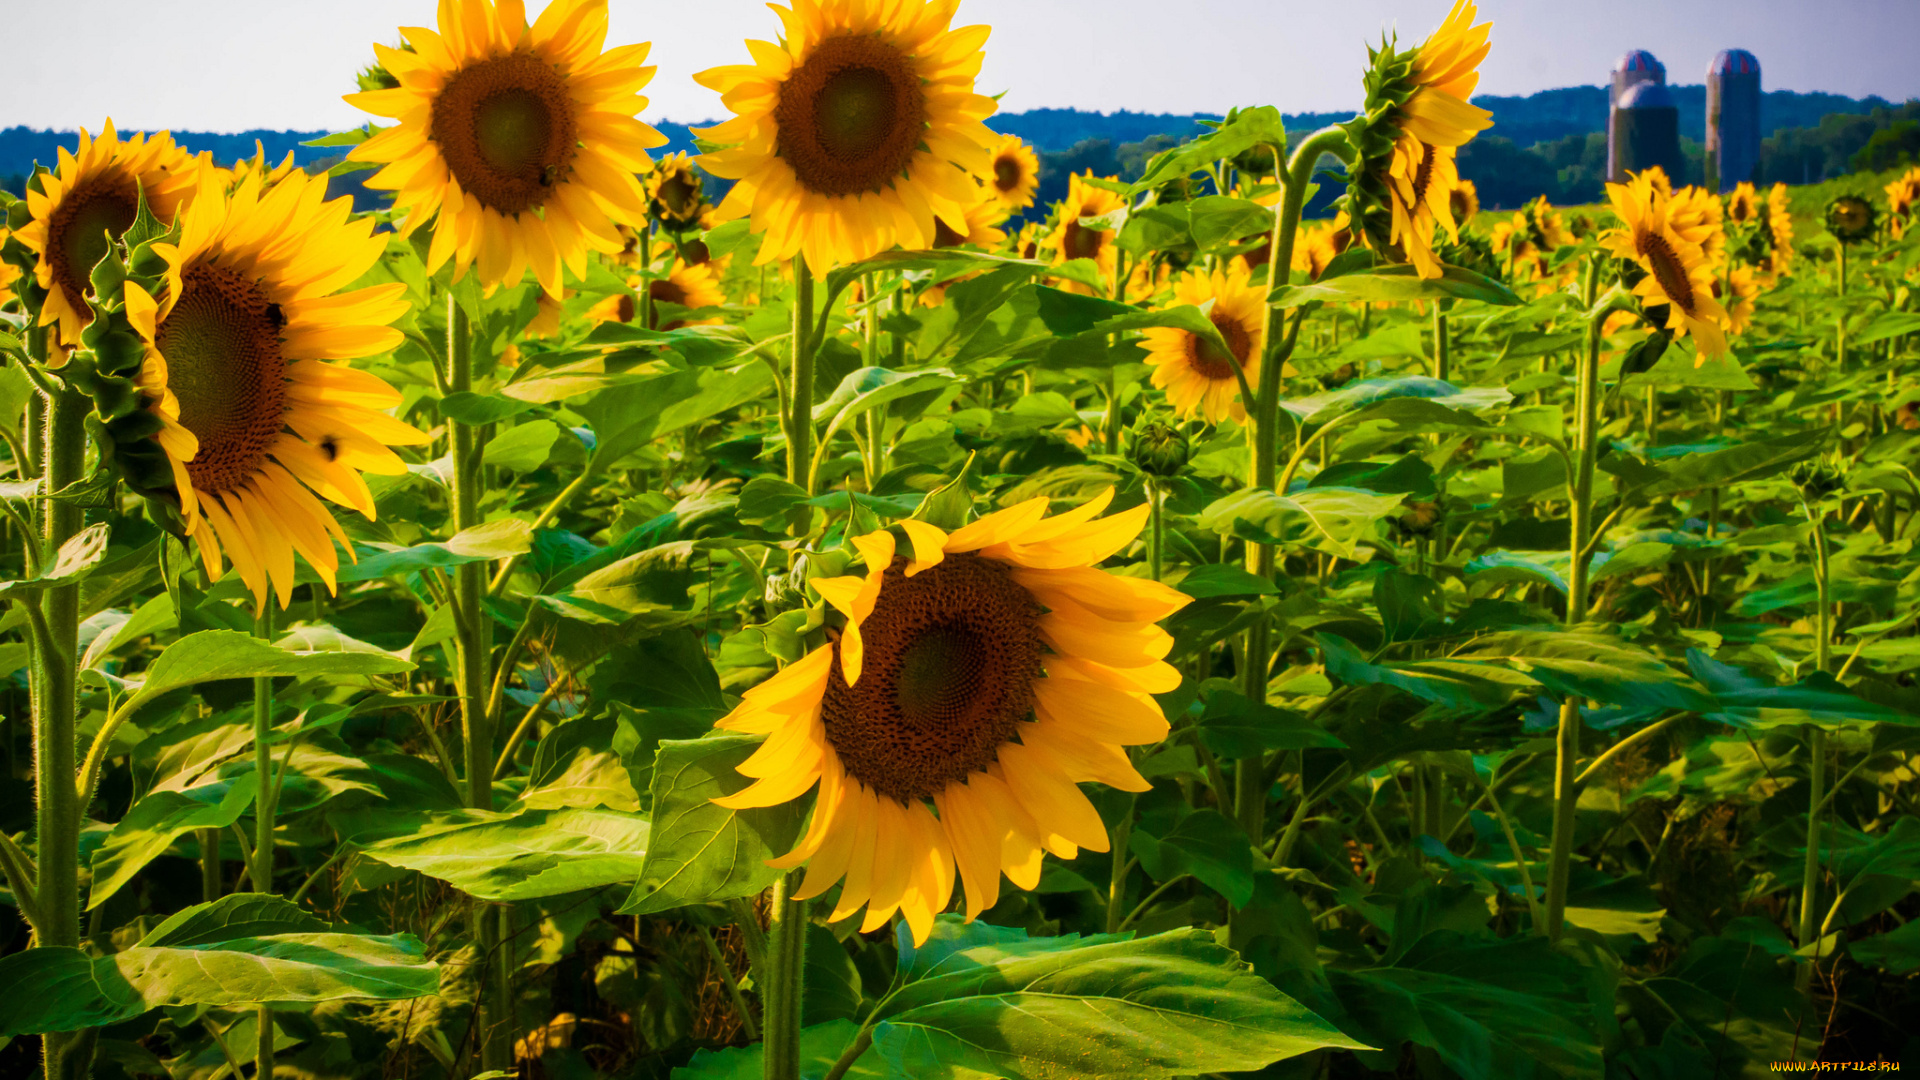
(473, 644)
(784, 987)
(800, 407)
(261, 870)
(1442, 347)
(1809, 930)
(1566, 791)
(1112, 423)
(59, 808)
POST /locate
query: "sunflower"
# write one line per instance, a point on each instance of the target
(256, 416)
(1901, 195)
(95, 192)
(988, 673)
(520, 142)
(1318, 245)
(1850, 218)
(1197, 378)
(1016, 174)
(981, 227)
(846, 136)
(674, 195)
(685, 286)
(1779, 229)
(1422, 181)
(546, 315)
(9, 273)
(1677, 272)
(1446, 69)
(1743, 204)
(1464, 202)
(1743, 289)
(1073, 240)
(1695, 214)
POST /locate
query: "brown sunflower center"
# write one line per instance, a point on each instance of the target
(950, 657)
(1669, 271)
(1206, 357)
(679, 194)
(667, 291)
(221, 342)
(506, 128)
(77, 234)
(1423, 176)
(1080, 242)
(851, 117)
(1006, 173)
(1459, 206)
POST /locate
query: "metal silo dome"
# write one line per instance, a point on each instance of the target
(1734, 62)
(1640, 62)
(1647, 95)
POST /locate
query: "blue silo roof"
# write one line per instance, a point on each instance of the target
(1640, 60)
(1734, 62)
(1647, 95)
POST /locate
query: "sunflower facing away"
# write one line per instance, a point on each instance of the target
(242, 350)
(1901, 195)
(674, 195)
(987, 674)
(1421, 178)
(846, 136)
(1464, 202)
(1015, 177)
(92, 193)
(1677, 272)
(1072, 240)
(1197, 378)
(520, 142)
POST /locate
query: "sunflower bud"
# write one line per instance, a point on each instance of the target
(1419, 518)
(1157, 448)
(1818, 478)
(1850, 219)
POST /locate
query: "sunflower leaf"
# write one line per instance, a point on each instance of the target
(702, 853)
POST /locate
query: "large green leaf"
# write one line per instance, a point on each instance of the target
(237, 915)
(75, 560)
(1204, 843)
(1334, 519)
(1399, 284)
(229, 654)
(1487, 1007)
(1399, 400)
(1216, 219)
(627, 417)
(500, 539)
(1593, 665)
(946, 260)
(871, 387)
(1249, 128)
(1736, 464)
(55, 988)
(1169, 1005)
(156, 821)
(701, 852)
(522, 856)
(820, 1046)
(1745, 701)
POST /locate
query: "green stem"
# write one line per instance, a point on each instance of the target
(800, 408)
(1120, 836)
(1112, 423)
(560, 502)
(261, 870)
(1155, 501)
(1816, 750)
(1442, 347)
(1141, 908)
(784, 987)
(210, 884)
(54, 655)
(1566, 792)
(725, 972)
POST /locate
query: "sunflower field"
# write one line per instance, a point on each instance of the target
(804, 610)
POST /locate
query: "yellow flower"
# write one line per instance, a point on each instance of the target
(1016, 173)
(1779, 229)
(518, 141)
(1695, 214)
(546, 315)
(1197, 378)
(1901, 195)
(988, 674)
(674, 195)
(242, 369)
(1745, 288)
(1315, 246)
(1743, 204)
(1446, 69)
(846, 136)
(1465, 202)
(981, 228)
(1072, 240)
(92, 193)
(1422, 178)
(9, 273)
(685, 286)
(1677, 272)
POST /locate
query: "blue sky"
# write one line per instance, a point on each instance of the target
(229, 65)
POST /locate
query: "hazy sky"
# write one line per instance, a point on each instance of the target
(229, 65)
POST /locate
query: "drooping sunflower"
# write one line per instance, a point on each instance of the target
(1850, 218)
(1677, 271)
(95, 192)
(1197, 378)
(1016, 174)
(1415, 117)
(243, 369)
(846, 136)
(987, 674)
(1743, 204)
(674, 195)
(686, 286)
(1072, 240)
(518, 141)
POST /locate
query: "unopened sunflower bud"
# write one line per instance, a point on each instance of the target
(1817, 478)
(1850, 219)
(1159, 449)
(1419, 518)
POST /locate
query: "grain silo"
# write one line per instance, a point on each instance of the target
(1646, 132)
(1733, 117)
(1634, 68)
